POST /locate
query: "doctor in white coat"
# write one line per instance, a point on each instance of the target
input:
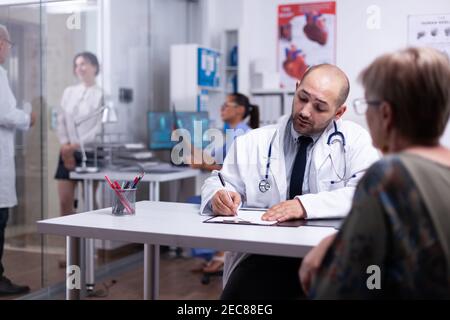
(11, 119)
(305, 166)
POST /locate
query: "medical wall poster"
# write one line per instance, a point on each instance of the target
(306, 37)
(430, 30)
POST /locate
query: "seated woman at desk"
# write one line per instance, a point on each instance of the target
(395, 241)
(77, 102)
(234, 112)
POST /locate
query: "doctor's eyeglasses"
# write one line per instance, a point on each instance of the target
(362, 104)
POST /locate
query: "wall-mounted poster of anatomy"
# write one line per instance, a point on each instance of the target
(430, 30)
(306, 37)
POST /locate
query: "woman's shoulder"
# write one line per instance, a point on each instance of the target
(96, 88)
(96, 93)
(73, 87)
(395, 173)
(71, 90)
(67, 94)
(390, 165)
(243, 127)
(385, 172)
(385, 164)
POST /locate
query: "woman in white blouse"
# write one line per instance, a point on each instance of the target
(77, 102)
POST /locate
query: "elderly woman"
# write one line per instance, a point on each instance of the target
(395, 243)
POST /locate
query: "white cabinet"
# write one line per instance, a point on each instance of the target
(273, 103)
(194, 73)
(230, 47)
(195, 79)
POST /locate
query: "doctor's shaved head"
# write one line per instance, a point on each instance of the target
(319, 99)
(337, 75)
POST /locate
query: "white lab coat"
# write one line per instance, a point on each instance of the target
(11, 119)
(245, 166)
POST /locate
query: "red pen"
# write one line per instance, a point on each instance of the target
(109, 182)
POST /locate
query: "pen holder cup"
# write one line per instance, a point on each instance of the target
(124, 202)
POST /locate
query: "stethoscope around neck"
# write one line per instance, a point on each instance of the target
(264, 184)
(331, 138)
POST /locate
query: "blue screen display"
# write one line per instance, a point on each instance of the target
(161, 125)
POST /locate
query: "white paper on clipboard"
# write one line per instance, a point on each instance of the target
(244, 216)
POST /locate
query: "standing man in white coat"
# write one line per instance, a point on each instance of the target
(306, 166)
(11, 119)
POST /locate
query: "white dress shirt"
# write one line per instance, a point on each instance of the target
(78, 102)
(11, 119)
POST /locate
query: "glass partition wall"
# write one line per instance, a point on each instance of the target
(46, 36)
(22, 258)
(131, 40)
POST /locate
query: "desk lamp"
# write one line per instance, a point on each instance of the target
(109, 115)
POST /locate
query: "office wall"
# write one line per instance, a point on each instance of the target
(136, 38)
(357, 46)
(446, 137)
(125, 49)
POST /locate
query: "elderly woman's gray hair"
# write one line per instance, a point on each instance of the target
(416, 83)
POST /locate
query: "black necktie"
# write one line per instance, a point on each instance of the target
(298, 171)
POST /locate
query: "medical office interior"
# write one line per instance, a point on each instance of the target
(159, 63)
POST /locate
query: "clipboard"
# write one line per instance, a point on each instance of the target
(238, 221)
(335, 223)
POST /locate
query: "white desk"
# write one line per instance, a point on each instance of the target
(176, 224)
(153, 179)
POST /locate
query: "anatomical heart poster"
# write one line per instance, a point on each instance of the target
(306, 37)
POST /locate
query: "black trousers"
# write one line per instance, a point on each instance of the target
(264, 277)
(3, 221)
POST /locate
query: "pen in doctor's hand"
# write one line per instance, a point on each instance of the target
(222, 181)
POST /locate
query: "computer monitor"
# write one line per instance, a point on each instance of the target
(161, 125)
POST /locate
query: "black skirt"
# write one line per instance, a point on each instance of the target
(62, 173)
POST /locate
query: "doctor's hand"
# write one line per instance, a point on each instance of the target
(312, 261)
(222, 205)
(284, 211)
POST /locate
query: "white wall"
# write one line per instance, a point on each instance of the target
(446, 137)
(357, 45)
(125, 51)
